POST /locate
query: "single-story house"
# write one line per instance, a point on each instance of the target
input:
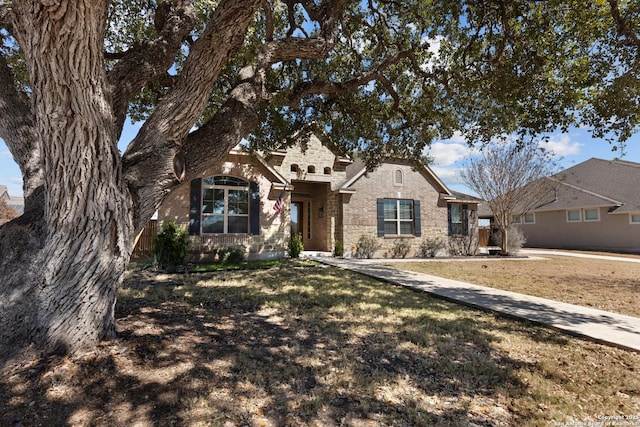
(259, 202)
(595, 205)
(16, 203)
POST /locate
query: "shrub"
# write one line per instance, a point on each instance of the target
(400, 249)
(338, 249)
(430, 246)
(232, 255)
(366, 246)
(295, 245)
(515, 239)
(170, 246)
(462, 245)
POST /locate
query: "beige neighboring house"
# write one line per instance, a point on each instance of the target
(596, 206)
(327, 198)
(17, 203)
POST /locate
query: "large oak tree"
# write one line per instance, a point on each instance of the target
(381, 77)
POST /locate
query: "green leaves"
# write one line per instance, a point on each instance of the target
(401, 74)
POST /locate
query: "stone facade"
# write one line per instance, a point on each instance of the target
(327, 199)
(359, 209)
(272, 239)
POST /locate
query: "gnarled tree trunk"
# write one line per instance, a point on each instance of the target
(60, 275)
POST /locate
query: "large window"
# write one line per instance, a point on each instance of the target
(456, 224)
(398, 216)
(225, 205)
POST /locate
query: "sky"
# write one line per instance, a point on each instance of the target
(449, 156)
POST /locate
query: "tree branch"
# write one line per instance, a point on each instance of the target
(161, 137)
(631, 37)
(335, 89)
(151, 60)
(18, 130)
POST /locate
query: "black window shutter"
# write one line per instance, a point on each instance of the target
(254, 208)
(449, 218)
(417, 227)
(195, 205)
(380, 210)
(465, 219)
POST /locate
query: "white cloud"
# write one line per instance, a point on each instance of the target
(448, 175)
(561, 145)
(446, 154)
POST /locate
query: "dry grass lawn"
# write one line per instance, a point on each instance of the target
(606, 285)
(317, 346)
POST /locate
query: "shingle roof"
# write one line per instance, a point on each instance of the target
(597, 182)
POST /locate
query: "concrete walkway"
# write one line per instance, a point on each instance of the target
(597, 325)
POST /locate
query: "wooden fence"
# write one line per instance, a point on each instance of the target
(143, 245)
(483, 237)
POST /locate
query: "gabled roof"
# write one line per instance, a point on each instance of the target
(598, 183)
(358, 169)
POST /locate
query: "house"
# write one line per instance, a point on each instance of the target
(325, 197)
(595, 206)
(16, 203)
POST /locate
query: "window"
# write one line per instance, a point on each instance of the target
(634, 218)
(592, 214)
(455, 219)
(225, 205)
(516, 219)
(327, 171)
(530, 218)
(398, 177)
(398, 216)
(295, 168)
(311, 169)
(574, 215)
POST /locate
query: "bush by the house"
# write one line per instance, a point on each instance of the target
(463, 245)
(338, 249)
(170, 246)
(232, 255)
(295, 245)
(400, 249)
(515, 239)
(366, 246)
(430, 246)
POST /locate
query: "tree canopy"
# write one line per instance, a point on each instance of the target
(382, 77)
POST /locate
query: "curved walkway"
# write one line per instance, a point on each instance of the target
(597, 325)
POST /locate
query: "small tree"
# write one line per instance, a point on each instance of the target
(513, 179)
(295, 245)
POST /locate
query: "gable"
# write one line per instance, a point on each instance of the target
(614, 182)
(387, 172)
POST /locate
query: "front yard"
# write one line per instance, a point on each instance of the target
(300, 345)
(606, 285)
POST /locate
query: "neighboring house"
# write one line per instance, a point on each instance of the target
(595, 206)
(17, 203)
(326, 197)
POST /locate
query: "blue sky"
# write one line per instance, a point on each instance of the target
(571, 148)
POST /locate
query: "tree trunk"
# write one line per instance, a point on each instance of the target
(61, 268)
(504, 231)
(58, 293)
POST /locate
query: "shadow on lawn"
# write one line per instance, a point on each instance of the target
(278, 347)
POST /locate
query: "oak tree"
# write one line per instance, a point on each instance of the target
(380, 77)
